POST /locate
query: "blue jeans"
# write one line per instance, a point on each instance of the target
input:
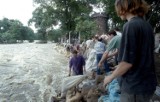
(105, 65)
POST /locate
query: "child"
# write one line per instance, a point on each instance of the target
(76, 64)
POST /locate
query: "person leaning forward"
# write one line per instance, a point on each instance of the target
(113, 44)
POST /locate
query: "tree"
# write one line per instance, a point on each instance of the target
(153, 16)
(86, 28)
(13, 30)
(27, 33)
(54, 35)
(50, 12)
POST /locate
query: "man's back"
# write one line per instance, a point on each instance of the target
(137, 48)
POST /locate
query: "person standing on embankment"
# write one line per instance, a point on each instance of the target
(136, 55)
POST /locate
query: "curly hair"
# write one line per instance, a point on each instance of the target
(138, 7)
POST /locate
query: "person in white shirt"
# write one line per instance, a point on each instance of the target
(100, 49)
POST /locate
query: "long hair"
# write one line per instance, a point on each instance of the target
(136, 7)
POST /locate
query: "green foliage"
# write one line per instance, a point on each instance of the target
(74, 16)
(87, 28)
(13, 30)
(65, 12)
(27, 33)
(54, 35)
(153, 16)
(41, 34)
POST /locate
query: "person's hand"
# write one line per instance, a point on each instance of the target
(107, 80)
(100, 65)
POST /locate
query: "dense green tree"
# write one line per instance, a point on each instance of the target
(63, 12)
(73, 15)
(13, 30)
(153, 16)
(27, 33)
(54, 35)
(86, 28)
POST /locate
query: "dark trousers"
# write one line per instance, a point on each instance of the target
(105, 65)
(125, 97)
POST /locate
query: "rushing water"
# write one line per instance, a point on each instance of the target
(30, 72)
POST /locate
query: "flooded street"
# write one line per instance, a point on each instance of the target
(30, 72)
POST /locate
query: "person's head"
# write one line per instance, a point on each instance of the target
(111, 34)
(74, 52)
(96, 37)
(116, 29)
(134, 7)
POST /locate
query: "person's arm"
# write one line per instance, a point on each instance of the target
(121, 69)
(111, 46)
(104, 57)
(113, 54)
(127, 52)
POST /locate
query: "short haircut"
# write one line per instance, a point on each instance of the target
(74, 52)
(117, 29)
(138, 7)
(112, 32)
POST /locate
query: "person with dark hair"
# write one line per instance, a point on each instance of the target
(113, 44)
(76, 64)
(136, 54)
(117, 30)
(112, 32)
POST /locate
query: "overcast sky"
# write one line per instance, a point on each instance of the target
(20, 10)
(16, 9)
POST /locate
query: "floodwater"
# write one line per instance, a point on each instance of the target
(31, 72)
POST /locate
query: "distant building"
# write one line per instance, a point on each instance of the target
(102, 22)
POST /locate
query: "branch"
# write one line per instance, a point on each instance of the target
(153, 11)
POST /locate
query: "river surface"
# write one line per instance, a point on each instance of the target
(31, 72)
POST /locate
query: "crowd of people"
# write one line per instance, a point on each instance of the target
(133, 51)
(92, 55)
